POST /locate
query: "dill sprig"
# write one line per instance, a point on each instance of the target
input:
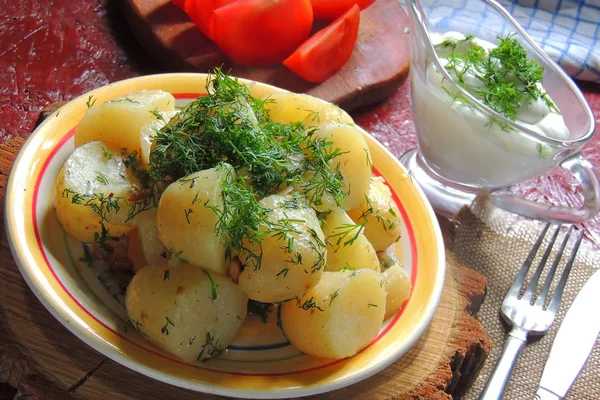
(229, 125)
(104, 205)
(233, 126)
(346, 234)
(509, 76)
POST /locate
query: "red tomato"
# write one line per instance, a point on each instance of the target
(329, 10)
(179, 3)
(261, 32)
(327, 50)
(202, 13)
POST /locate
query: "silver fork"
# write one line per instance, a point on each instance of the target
(526, 316)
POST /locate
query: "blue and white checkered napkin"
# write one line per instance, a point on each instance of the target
(568, 30)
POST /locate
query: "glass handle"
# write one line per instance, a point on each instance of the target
(588, 179)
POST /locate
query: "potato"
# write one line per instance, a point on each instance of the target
(94, 175)
(347, 246)
(186, 223)
(292, 262)
(286, 107)
(339, 316)
(354, 164)
(153, 249)
(397, 286)
(120, 120)
(381, 214)
(185, 310)
(148, 131)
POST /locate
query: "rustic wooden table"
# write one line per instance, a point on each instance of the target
(55, 51)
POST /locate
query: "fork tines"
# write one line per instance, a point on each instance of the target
(528, 294)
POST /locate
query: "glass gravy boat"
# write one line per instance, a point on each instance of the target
(465, 147)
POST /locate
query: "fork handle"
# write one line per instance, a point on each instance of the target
(496, 384)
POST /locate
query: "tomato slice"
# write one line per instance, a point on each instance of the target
(179, 3)
(323, 54)
(202, 13)
(328, 10)
(261, 32)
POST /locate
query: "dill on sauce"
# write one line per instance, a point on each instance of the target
(508, 75)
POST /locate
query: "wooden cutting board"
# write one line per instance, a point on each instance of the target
(45, 361)
(377, 66)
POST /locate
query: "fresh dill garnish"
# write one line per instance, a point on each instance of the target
(125, 100)
(104, 205)
(213, 285)
(90, 101)
(260, 309)
(308, 304)
(509, 77)
(107, 153)
(187, 214)
(101, 178)
(371, 305)
(369, 162)
(333, 296)
(166, 275)
(232, 129)
(283, 272)
(387, 260)
(177, 256)
(210, 348)
(346, 234)
(543, 150)
(165, 329)
(229, 124)
(387, 223)
(347, 267)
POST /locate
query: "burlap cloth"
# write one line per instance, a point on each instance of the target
(495, 243)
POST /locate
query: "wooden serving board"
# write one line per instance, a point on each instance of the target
(377, 66)
(44, 360)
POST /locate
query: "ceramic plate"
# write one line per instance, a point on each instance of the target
(260, 363)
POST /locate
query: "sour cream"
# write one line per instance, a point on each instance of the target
(463, 144)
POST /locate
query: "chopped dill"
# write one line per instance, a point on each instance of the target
(213, 285)
(165, 329)
(210, 348)
(107, 153)
(260, 309)
(333, 296)
(508, 75)
(102, 178)
(308, 304)
(90, 101)
(346, 234)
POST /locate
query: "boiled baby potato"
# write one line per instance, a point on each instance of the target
(293, 253)
(148, 132)
(94, 181)
(398, 286)
(186, 221)
(120, 120)
(153, 249)
(347, 246)
(380, 214)
(285, 107)
(339, 316)
(354, 165)
(185, 310)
